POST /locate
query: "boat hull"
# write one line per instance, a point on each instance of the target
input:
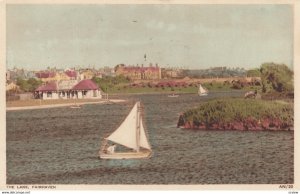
(205, 94)
(75, 107)
(126, 155)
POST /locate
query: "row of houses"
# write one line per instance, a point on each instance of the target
(47, 76)
(139, 72)
(133, 72)
(58, 74)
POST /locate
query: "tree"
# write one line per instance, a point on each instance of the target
(108, 82)
(277, 77)
(28, 85)
(253, 72)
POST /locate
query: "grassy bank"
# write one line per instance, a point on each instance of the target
(125, 88)
(239, 114)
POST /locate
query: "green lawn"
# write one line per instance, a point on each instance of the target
(240, 110)
(125, 88)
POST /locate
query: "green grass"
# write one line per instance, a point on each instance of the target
(126, 88)
(237, 109)
(146, 89)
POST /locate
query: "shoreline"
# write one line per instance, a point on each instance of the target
(62, 105)
(175, 92)
(30, 104)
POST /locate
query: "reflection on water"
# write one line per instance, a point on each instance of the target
(60, 146)
(121, 163)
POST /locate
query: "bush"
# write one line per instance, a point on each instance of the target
(228, 110)
(28, 85)
(276, 77)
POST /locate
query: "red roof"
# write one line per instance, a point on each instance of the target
(52, 86)
(45, 74)
(86, 84)
(82, 85)
(71, 73)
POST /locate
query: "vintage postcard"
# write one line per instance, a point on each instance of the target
(144, 95)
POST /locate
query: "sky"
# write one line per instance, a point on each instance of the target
(186, 36)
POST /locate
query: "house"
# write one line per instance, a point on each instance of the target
(168, 73)
(46, 76)
(49, 76)
(87, 74)
(11, 86)
(69, 89)
(139, 72)
(72, 75)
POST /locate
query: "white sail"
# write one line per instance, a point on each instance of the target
(202, 91)
(143, 138)
(131, 134)
(126, 133)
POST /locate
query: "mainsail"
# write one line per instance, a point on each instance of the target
(202, 90)
(126, 134)
(143, 138)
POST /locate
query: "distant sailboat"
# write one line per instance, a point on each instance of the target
(173, 95)
(131, 134)
(75, 105)
(202, 91)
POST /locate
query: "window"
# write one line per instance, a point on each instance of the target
(49, 94)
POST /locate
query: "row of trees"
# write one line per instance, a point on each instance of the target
(276, 77)
(109, 82)
(277, 80)
(210, 73)
(28, 85)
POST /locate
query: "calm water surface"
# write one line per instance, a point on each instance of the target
(60, 146)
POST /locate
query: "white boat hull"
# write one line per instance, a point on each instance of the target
(75, 107)
(204, 94)
(175, 96)
(126, 155)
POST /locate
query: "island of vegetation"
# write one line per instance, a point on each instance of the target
(275, 111)
(239, 114)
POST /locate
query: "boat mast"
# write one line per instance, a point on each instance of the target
(138, 126)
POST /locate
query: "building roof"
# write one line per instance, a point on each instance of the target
(71, 73)
(86, 84)
(45, 74)
(66, 84)
(69, 85)
(51, 86)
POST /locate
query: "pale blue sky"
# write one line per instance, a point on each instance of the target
(191, 36)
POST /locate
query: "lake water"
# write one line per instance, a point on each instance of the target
(60, 146)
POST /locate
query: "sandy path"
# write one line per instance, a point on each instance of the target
(62, 105)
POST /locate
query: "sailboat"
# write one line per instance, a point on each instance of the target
(75, 105)
(173, 95)
(131, 134)
(202, 91)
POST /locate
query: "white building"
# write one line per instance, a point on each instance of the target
(69, 89)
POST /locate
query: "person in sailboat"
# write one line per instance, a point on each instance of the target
(111, 149)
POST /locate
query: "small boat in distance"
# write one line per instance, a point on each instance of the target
(251, 94)
(130, 134)
(75, 106)
(173, 95)
(202, 91)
